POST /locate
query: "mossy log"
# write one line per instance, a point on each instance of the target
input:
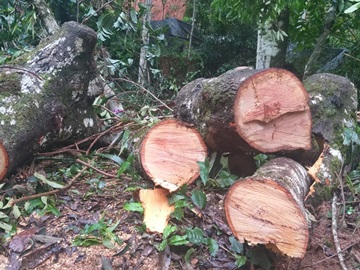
(169, 153)
(46, 96)
(333, 103)
(246, 109)
(267, 208)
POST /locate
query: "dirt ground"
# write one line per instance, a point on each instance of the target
(46, 242)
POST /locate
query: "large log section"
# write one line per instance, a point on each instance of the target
(47, 95)
(333, 102)
(267, 208)
(267, 108)
(169, 154)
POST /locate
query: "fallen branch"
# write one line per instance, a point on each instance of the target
(335, 235)
(95, 169)
(52, 192)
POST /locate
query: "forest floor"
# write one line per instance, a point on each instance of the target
(75, 230)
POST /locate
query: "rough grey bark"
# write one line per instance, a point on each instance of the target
(333, 103)
(143, 78)
(205, 104)
(46, 16)
(310, 66)
(46, 96)
(266, 108)
(271, 52)
(275, 216)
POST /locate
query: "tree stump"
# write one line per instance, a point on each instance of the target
(46, 96)
(267, 208)
(246, 109)
(169, 154)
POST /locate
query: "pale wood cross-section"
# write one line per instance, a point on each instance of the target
(4, 161)
(272, 112)
(169, 154)
(156, 209)
(267, 208)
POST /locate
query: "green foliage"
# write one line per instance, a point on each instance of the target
(134, 207)
(170, 238)
(221, 175)
(19, 29)
(198, 197)
(101, 232)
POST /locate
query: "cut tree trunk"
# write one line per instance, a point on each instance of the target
(46, 96)
(267, 208)
(272, 112)
(169, 154)
(333, 103)
(246, 109)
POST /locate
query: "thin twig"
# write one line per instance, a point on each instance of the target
(144, 89)
(52, 192)
(340, 179)
(99, 135)
(96, 169)
(96, 11)
(22, 69)
(335, 234)
(332, 256)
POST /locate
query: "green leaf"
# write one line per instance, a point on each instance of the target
(257, 255)
(198, 198)
(86, 241)
(3, 215)
(133, 16)
(134, 207)
(16, 211)
(213, 247)
(169, 229)
(196, 236)
(162, 245)
(178, 240)
(352, 8)
(236, 246)
(108, 244)
(5, 226)
(240, 260)
(46, 181)
(204, 170)
(118, 160)
(188, 255)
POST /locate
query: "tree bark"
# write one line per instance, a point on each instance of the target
(270, 112)
(47, 95)
(333, 103)
(46, 16)
(169, 154)
(267, 208)
(143, 78)
(310, 66)
(271, 51)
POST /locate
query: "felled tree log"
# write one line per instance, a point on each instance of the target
(46, 96)
(333, 103)
(246, 109)
(267, 208)
(169, 154)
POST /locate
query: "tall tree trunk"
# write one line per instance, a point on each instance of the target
(310, 65)
(271, 51)
(46, 16)
(192, 26)
(143, 78)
